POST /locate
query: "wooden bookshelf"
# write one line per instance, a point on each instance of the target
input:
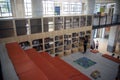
(68, 22)
(36, 25)
(48, 24)
(6, 28)
(58, 23)
(76, 22)
(61, 35)
(38, 44)
(49, 44)
(25, 45)
(21, 26)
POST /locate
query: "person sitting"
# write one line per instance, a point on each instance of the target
(113, 55)
(118, 57)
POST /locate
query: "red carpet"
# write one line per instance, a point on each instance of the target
(24, 67)
(65, 68)
(41, 66)
(47, 68)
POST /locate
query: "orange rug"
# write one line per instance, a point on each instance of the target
(94, 51)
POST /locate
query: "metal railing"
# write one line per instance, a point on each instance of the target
(100, 21)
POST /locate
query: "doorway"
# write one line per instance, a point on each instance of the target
(101, 35)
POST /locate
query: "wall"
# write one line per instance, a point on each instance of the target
(111, 40)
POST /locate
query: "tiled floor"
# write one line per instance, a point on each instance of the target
(107, 68)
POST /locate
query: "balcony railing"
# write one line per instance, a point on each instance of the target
(100, 21)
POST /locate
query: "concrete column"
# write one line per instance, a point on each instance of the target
(103, 32)
(18, 8)
(37, 8)
(117, 9)
(112, 38)
(90, 6)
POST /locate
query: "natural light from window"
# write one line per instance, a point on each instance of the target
(5, 8)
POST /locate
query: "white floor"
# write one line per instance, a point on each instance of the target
(107, 68)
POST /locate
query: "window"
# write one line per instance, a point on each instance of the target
(28, 7)
(48, 8)
(72, 8)
(5, 8)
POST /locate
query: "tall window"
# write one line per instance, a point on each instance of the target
(28, 7)
(72, 8)
(48, 7)
(5, 8)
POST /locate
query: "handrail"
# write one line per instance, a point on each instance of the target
(100, 21)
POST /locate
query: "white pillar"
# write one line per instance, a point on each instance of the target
(37, 8)
(18, 8)
(111, 40)
(90, 6)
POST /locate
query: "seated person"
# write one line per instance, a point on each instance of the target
(113, 55)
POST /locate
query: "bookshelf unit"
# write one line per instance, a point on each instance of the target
(81, 39)
(21, 27)
(61, 35)
(88, 33)
(49, 45)
(25, 45)
(37, 44)
(59, 44)
(76, 22)
(75, 42)
(68, 20)
(58, 23)
(67, 43)
(48, 24)
(36, 26)
(89, 20)
(82, 21)
(6, 28)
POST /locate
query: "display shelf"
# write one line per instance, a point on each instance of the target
(38, 44)
(74, 40)
(36, 26)
(58, 43)
(58, 50)
(48, 24)
(25, 45)
(58, 40)
(48, 40)
(88, 33)
(75, 21)
(82, 21)
(81, 39)
(58, 23)
(67, 41)
(6, 29)
(68, 22)
(51, 51)
(81, 35)
(89, 20)
(21, 27)
(48, 43)
(74, 35)
(54, 34)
